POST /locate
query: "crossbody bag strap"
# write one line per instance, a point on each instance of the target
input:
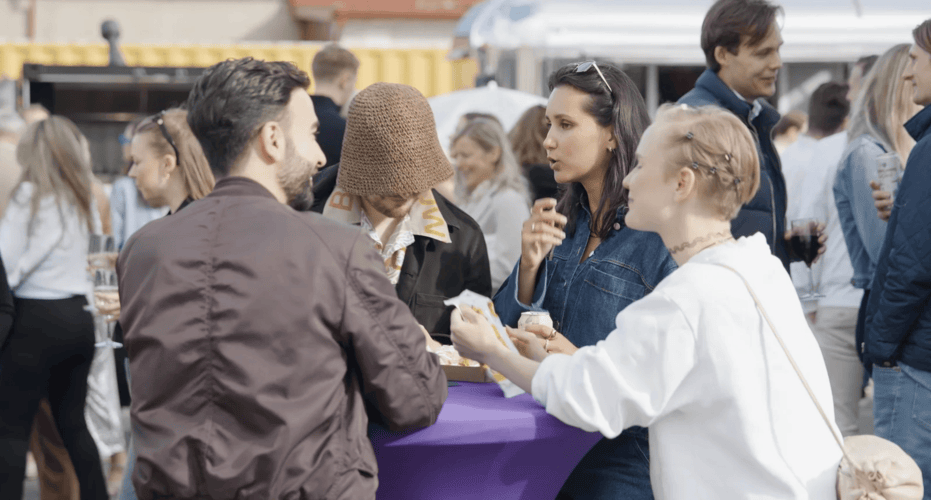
(29, 273)
(801, 377)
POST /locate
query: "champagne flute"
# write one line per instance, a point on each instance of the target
(106, 293)
(101, 252)
(805, 244)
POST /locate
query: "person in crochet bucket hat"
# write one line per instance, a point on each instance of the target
(391, 121)
(390, 163)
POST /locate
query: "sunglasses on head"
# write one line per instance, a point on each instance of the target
(585, 66)
(160, 121)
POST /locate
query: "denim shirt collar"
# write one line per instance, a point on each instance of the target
(618, 218)
(919, 126)
(728, 98)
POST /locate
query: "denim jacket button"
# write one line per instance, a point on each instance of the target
(617, 226)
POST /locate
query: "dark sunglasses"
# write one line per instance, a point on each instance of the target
(160, 121)
(585, 66)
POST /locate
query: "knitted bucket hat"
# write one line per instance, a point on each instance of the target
(391, 146)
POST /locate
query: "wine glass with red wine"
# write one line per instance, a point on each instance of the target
(805, 244)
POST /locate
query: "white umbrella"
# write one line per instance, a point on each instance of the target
(505, 104)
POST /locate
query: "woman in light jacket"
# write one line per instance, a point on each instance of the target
(44, 239)
(694, 360)
(598, 265)
(491, 189)
(878, 115)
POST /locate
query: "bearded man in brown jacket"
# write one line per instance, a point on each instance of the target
(257, 334)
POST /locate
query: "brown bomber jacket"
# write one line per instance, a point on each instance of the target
(256, 336)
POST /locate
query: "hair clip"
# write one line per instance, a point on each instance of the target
(714, 170)
(695, 165)
(727, 157)
(689, 136)
(736, 181)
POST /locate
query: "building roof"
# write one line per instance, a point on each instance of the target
(328, 10)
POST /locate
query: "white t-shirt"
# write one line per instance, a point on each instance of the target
(695, 362)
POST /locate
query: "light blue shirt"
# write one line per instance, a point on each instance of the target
(129, 211)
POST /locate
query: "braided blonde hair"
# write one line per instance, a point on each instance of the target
(718, 148)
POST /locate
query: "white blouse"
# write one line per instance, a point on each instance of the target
(695, 362)
(501, 214)
(57, 249)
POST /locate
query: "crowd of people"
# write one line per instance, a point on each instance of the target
(284, 260)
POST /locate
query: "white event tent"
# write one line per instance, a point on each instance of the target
(666, 32)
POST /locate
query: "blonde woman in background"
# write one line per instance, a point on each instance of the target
(44, 237)
(877, 118)
(128, 209)
(491, 189)
(169, 169)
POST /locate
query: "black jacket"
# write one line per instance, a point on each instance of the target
(434, 271)
(898, 316)
(6, 305)
(332, 128)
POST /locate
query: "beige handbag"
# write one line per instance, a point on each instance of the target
(872, 468)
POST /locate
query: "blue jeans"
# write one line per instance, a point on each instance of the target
(615, 469)
(902, 413)
(127, 491)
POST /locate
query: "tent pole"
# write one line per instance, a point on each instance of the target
(652, 89)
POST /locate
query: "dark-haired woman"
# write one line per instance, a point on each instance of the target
(598, 266)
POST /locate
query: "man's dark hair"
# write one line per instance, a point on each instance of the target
(828, 107)
(621, 108)
(866, 63)
(729, 21)
(232, 99)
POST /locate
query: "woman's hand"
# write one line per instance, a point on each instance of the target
(558, 343)
(473, 336)
(528, 344)
(107, 304)
(882, 200)
(541, 232)
(822, 240)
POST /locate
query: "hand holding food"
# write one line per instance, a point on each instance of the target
(473, 335)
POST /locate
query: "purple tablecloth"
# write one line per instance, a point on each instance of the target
(482, 446)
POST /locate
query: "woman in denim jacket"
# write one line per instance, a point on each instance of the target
(580, 262)
(879, 112)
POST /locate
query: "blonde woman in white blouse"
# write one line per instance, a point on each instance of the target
(491, 189)
(44, 236)
(694, 360)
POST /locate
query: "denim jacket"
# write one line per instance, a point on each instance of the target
(863, 230)
(583, 299)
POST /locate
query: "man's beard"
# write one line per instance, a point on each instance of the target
(304, 200)
(296, 180)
